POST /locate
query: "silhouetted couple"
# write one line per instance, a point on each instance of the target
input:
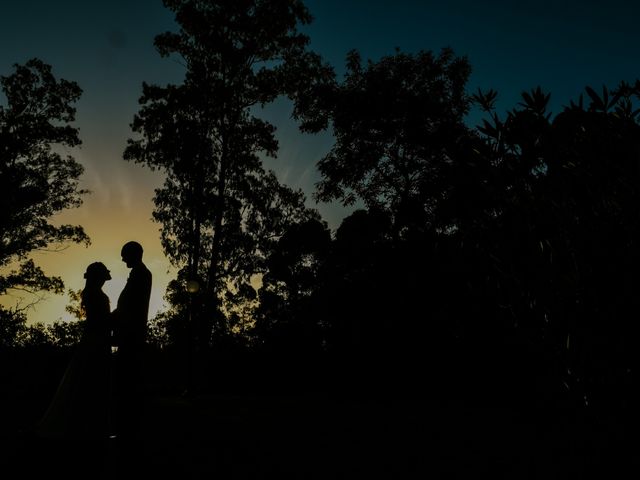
(99, 395)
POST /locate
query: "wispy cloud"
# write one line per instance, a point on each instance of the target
(124, 192)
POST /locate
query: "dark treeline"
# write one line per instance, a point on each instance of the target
(486, 263)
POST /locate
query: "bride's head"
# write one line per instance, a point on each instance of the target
(96, 274)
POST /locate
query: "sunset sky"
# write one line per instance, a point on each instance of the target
(107, 47)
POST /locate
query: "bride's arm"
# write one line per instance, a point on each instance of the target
(114, 327)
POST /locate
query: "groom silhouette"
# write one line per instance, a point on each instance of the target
(130, 328)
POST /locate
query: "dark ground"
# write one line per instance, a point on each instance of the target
(348, 431)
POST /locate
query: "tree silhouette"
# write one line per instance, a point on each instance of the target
(551, 237)
(509, 247)
(220, 211)
(289, 317)
(37, 182)
(398, 125)
(396, 122)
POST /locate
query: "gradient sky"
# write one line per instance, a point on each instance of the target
(107, 47)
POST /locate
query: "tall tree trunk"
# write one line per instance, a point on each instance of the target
(212, 308)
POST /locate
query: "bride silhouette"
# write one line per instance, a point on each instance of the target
(80, 407)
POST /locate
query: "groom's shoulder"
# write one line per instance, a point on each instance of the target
(141, 271)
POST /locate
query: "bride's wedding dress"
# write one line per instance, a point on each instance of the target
(81, 404)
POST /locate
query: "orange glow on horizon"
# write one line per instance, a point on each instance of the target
(119, 210)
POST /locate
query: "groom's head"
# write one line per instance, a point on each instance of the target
(131, 253)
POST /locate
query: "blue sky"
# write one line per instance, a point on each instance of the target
(107, 47)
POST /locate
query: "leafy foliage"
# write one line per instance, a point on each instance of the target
(547, 232)
(396, 123)
(36, 180)
(289, 317)
(499, 249)
(220, 211)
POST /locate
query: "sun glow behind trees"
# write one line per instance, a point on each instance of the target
(116, 54)
(70, 264)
